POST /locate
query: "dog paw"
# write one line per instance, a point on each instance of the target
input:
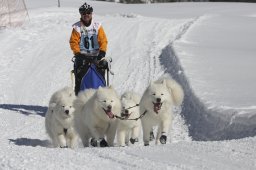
(151, 137)
(163, 139)
(132, 140)
(146, 144)
(63, 146)
(93, 142)
(103, 143)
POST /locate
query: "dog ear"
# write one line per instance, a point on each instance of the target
(151, 83)
(52, 105)
(164, 82)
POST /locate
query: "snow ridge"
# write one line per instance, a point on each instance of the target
(203, 123)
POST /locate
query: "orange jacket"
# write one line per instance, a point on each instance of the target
(76, 35)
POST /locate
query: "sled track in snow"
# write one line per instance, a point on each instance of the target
(127, 160)
(203, 123)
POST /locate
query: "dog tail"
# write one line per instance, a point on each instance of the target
(176, 91)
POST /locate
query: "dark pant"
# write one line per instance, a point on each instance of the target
(81, 66)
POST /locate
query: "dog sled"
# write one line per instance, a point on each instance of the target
(90, 73)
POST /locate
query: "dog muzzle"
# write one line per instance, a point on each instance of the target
(125, 115)
(157, 107)
(109, 113)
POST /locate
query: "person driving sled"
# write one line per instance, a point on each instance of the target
(88, 42)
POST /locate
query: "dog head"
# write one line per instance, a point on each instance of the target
(130, 105)
(127, 107)
(61, 103)
(158, 94)
(108, 101)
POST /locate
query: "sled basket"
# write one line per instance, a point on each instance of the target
(92, 79)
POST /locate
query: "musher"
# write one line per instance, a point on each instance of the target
(88, 42)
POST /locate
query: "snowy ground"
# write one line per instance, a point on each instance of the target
(208, 47)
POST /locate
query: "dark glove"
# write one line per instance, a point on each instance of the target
(103, 64)
(101, 55)
(77, 55)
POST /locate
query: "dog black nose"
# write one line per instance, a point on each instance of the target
(126, 111)
(109, 107)
(67, 112)
(158, 100)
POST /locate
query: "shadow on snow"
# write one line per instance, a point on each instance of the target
(25, 109)
(30, 142)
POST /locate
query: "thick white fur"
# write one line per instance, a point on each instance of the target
(129, 128)
(59, 119)
(91, 120)
(170, 93)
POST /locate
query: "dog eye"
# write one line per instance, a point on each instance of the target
(63, 106)
(104, 101)
(111, 101)
(154, 94)
(162, 94)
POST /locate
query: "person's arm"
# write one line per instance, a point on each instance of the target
(74, 41)
(103, 42)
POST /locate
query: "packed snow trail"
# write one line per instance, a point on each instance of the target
(136, 64)
(41, 65)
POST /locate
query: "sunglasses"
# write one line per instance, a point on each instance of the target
(87, 13)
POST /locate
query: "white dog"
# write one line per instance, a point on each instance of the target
(59, 119)
(96, 112)
(127, 126)
(156, 104)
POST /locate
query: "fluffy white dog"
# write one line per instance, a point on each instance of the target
(59, 119)
(129, 125)
(96, 112)
(157, 103)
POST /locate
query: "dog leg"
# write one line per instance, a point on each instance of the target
(72, 142)
(111, 133)
(71, 138)
(159, 132)
(146, 131)
(152, 137)
(62, 140)
(97, 137)
(164, 130)
(55, 142)
(84, 135)
(127, 137)
(135, 134)
(85, 141)
(121, 136)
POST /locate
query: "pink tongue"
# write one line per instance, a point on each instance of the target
(110, 114)
(157, 107)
